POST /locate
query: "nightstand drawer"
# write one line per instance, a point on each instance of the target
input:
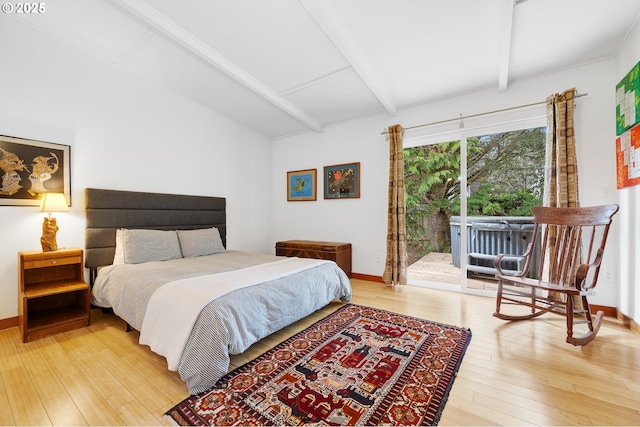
(52, 262)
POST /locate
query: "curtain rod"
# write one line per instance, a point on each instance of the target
(385, 132)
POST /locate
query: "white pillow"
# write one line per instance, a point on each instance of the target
(150, 245)
(119, 256)
(205, 241)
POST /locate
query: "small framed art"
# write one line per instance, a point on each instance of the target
(342, 181)
(30, 168)
(301, 185)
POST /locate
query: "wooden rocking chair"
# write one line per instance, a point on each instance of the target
(573, 241)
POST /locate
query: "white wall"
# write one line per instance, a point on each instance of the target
(126, 134)
(363, 221)
(629, 249)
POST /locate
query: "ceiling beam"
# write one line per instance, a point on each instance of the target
(176, 33)
(506, 30)
(318, 11)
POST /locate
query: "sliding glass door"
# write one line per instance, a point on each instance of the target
(432, 183)
(464, 197)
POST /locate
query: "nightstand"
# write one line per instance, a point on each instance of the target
(53, 296)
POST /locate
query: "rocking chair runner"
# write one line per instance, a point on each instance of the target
(573, 241)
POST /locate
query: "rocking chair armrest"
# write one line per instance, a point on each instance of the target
(498, 261)
(581, 276)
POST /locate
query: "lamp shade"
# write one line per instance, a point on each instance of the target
(53, 202)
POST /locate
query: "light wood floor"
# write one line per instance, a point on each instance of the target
(512, 373)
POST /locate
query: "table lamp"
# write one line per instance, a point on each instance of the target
(51, 202)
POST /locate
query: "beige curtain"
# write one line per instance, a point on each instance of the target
(561, 166)
(395, 270)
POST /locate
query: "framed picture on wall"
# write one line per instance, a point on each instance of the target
(342, 181)
(301, 185)
(30, 168)
(628, 100)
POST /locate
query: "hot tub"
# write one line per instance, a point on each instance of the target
(490, 236)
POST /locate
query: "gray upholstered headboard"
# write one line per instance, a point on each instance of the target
(108, 210)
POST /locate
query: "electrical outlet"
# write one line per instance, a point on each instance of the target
(609, 276)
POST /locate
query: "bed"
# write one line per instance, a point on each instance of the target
(197, 304)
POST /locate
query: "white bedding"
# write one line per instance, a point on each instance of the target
(173, 308)
(230, 323)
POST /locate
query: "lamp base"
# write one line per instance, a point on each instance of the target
(48, 239)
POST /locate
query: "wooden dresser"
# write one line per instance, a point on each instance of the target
(338, 252)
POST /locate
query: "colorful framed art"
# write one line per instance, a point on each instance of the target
(627, 129)
(628, 158)
(301, 185)
(30, 168)
(628, 100)
(342, 181)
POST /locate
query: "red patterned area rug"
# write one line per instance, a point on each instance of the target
(357, 366)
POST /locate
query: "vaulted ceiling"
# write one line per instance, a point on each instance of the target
(283, 67)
